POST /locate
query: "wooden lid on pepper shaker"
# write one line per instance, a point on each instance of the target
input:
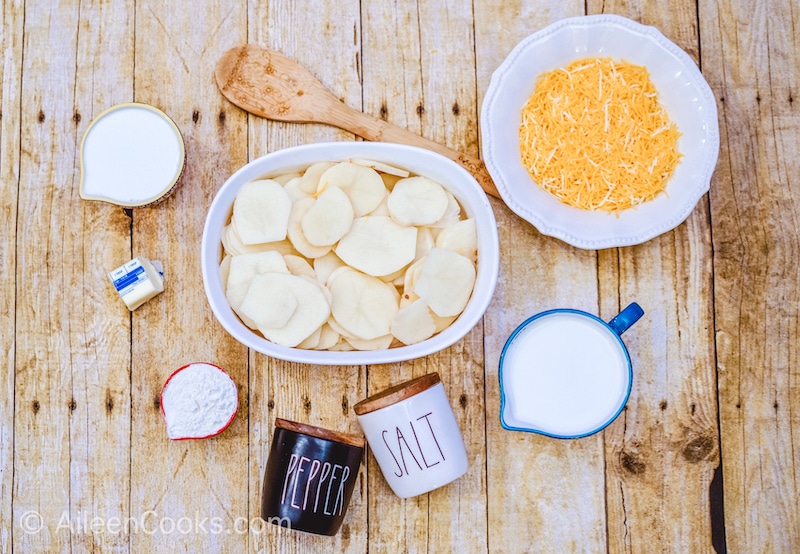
(319, 432)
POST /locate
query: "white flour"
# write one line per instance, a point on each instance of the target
(198, 401)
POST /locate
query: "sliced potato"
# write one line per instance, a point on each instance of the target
(341, 346)
(244, 268)
(382, 208)
(380, 343)
(461, 237)
(341, 331)
(284, 179)
(381, 167)
(325, 265)
(310, 180)
(294, 190)
(328, 218)
(229, 248)
(258, 262)
(425, 241)
(434, 232)
(311, 312)
(413, 323)
(269, 302)
(394, 276)
(261, 211)
(412, 275)
(297, 265)
(361, 184)
(225, 270)
(377, 245)
(452, 213)
(417, 201)
(295, 230)
(282, 247)
(362, 305)
(354, 234)
(234, 245)
(442, 323)
(327, 337)
(312, 341)
(335, 273)
(446, 281)
(325, 292)
(407, 298)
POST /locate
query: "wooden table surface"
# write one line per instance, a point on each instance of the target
(705, 456)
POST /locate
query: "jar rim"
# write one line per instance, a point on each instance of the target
(397, 393)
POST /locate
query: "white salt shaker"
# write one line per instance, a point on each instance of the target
(414, 435)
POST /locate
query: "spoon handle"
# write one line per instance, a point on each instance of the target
(374, 129)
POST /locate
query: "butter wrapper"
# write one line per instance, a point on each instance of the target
(138, 281)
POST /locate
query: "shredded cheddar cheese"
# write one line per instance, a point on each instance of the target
(594, 135)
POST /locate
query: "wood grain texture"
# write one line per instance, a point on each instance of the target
(100, 354)
(544, 495)
(286, 91)
(12, 20)
(83, 449)
(72, 361)
(317, 395)
(201, 486)
(750, 62)
(429, 49)
(662, 452)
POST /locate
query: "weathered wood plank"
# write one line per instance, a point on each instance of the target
(609, 281)
(11, 23)
(318, 395)
(662, 451)
(100, 418)
(749, 57)
(199, 486)
(545, 495)
(74, 358)
(81, 436)
(327, 41)
(60, 329)
(428, 50)
(392, 56)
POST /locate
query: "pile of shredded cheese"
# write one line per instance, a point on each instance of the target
(594, 135)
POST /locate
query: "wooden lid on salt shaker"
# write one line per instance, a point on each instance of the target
(320, 433)
(396, 394)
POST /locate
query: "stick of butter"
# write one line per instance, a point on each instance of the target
(138, 281)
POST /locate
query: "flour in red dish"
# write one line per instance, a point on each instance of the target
(198, 401)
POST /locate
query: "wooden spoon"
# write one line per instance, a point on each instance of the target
(267, 83)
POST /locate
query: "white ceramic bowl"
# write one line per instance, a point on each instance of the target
(418, 161)
(682, 91)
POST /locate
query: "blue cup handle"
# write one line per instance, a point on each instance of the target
(626, 318)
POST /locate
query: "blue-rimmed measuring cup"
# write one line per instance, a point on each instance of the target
(566, 373)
